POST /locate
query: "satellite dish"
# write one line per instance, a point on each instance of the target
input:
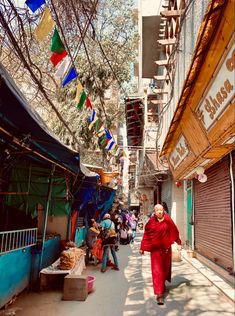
(202, 178)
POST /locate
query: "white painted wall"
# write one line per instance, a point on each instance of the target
(55, 224)
(178, 210)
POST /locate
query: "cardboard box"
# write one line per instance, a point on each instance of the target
(75, 288)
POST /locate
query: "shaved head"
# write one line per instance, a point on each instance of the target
(158, 207)
(159, 211)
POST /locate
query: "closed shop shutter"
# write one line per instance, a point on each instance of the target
(213, 215)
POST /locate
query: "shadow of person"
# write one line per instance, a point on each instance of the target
(175, 283)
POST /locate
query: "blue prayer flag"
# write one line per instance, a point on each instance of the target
(107, 134)
(110, 145)
(34, 4)
(91, 119)
(72, 74)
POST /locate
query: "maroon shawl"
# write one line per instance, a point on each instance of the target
(159, 235)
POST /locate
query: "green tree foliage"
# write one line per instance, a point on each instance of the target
(102, 58)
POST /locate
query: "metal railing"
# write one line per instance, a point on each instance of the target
(17, 239)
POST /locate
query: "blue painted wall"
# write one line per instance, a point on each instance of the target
(20, 269)
(51, 252)
(14, 273)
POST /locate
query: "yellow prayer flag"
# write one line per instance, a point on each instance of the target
(93, 122)
(45, 26)
(79, 91)
(101, 132)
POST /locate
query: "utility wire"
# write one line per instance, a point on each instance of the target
(34, 77)
(83, 34)
(89, 61)
(104, 54)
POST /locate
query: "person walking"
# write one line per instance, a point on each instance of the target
(159, 234)
(109, 243)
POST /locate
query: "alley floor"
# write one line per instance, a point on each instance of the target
(129, 292)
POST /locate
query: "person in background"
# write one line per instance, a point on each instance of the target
(133, 225)
(91, 237)
(108, 225)
(159, 234)
(124, 238)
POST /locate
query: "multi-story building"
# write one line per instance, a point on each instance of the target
(197, 122)
(190, 89)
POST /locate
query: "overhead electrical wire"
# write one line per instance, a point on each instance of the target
(34, 77)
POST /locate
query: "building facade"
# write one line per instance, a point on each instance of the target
(197, 123)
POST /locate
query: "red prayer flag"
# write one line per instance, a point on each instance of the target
(88, 103)
(56, 57)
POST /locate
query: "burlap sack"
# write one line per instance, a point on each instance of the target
(67, 260)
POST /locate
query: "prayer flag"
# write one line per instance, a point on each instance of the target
(57, 45)
(98, 125)
(117, 150)
(92, 123)
(62, 68)
(45, 25)
(101, 131)
(102, 141)
(88, 103)
(56, 58)
(34, 4)
(108, 136)
(72, 74)
(92, 119)
(82, 99)
(79, 91)
(110, 144)
(93, 114)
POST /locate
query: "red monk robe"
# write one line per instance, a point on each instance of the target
(157, 239)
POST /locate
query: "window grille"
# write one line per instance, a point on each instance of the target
(17, 239)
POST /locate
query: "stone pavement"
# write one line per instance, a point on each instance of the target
(129, 292)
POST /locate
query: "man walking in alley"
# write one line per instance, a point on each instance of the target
(160, 233)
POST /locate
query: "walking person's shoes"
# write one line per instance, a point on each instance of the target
(103, 270)
(109, 263)
(115, 268)
(160, 299)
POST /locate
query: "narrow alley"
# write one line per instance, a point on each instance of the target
(117, 118)
(129, 292)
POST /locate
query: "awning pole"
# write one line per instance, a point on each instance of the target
(50, 184)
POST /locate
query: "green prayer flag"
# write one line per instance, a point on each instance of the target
(102, 141)
(82, 99)
(97, 125)
(57, 45)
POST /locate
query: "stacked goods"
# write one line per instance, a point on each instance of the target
(70, 244)
(67, 260)
(78, 252)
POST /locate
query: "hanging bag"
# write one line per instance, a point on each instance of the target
(109, 236)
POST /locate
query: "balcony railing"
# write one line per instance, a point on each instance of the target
(17, 239)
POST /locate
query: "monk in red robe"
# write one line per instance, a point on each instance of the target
(160, 233)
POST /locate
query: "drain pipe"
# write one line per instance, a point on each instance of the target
(233, 209)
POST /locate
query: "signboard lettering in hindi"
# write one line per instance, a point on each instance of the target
(221, 92)
(179, 153)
